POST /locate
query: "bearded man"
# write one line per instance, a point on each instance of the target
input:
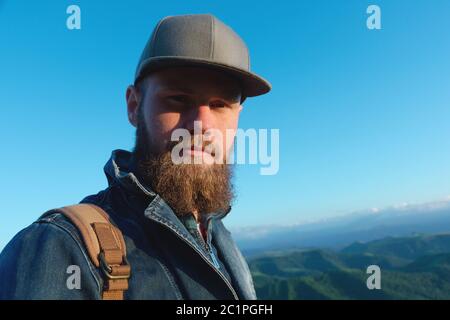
(193, 73)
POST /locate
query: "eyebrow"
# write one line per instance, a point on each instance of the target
(227, 95)
(176, 88)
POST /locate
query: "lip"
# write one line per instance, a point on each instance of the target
(198, 151)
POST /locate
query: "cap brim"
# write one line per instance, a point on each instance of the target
(252, 84)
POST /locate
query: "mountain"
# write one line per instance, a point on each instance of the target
(297, 263)
(437, 264)
(415, 267)
(338, 232)
(405, 248)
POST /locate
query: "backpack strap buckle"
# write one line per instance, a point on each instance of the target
(114, 272)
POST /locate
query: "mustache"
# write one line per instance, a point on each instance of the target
(195, 143)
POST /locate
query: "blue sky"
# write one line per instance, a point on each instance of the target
(363, 114)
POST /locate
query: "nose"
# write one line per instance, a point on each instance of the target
(203, 114)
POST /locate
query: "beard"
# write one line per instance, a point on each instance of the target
(203, 188)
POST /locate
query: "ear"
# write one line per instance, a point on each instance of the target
(133, 97)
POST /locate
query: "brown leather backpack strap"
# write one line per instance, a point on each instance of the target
(105, 245)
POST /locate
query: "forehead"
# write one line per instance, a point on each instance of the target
(195, 81)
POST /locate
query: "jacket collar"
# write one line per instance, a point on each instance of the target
(221, 238)
(119, 170)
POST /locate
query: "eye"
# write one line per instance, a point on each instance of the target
(179, 98)
(217, 104)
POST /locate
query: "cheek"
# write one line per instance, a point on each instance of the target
(161, 126)
(228, 132)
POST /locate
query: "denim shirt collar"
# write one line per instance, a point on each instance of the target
(158, 210)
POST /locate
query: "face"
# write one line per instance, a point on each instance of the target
(179, 98)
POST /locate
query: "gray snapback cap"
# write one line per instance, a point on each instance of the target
(200, 40)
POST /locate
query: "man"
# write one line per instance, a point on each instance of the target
(193, 75)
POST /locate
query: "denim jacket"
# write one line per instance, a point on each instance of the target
(167, 261)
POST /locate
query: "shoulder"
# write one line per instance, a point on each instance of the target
(35, 263)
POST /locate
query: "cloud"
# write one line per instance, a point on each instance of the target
(380, 214)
